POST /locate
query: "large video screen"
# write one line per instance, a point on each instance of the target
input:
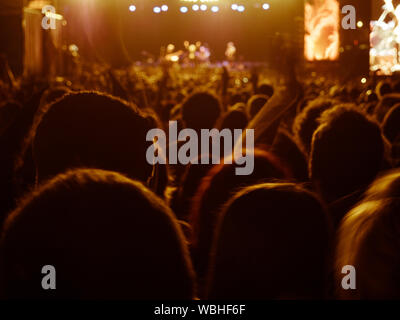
(385, 38)
(321, 30)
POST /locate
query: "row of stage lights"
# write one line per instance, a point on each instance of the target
(196, 7)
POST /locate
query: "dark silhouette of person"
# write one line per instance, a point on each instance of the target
(95, 130)
(306, 122)
(273, 241)
(347, 154)
(216, 188)
(368, 240)
(201, 110)
(255, 104)
(107, 236)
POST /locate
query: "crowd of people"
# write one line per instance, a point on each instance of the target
(77, 193)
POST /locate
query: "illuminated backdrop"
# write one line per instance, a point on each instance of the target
(385, 39)
(321, 40)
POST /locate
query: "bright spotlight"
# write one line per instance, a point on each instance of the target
(203, 7)
(214, 8)
(360, 24)
(195, 7)
(364, 80)
(240, 8)
(266, 6)
(184, 9)
(164, 7)
(132, 8)
(157, 9)
(234, 7)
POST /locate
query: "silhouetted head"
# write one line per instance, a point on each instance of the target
(107, 236)
(201, 111)
(306, 122)
(216, 188)
(347, 152)
(368, 241)
(272, 242)
(255, 104)
(234, 119)
(265, 89)
(90, 129)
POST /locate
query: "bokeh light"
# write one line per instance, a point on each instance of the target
(266, 6)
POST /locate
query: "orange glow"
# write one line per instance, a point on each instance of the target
(322, 30)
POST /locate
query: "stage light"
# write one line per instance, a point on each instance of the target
(170, 47)
(203, 7)
(240, 8)
(157, 9)
(195, 7)
(164, 7)
(234, 6)
(132, 8)
(363, 80)
(265, 6)
(184, 9)
(214, 9)
(360, 24)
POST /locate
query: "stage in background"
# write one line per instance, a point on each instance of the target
(120, 32)
(258, 28)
